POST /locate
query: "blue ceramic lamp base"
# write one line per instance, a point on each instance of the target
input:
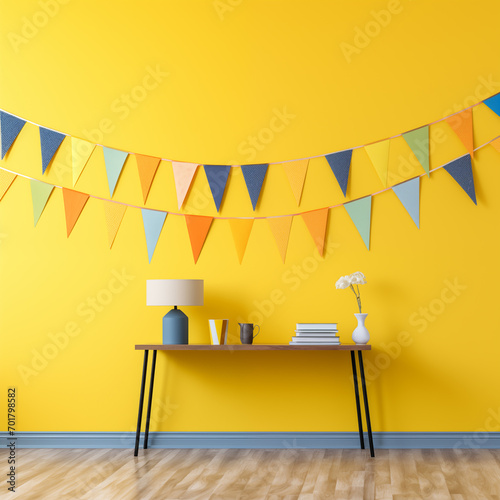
(175, 327)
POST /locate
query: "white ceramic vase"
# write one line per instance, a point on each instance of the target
(360, 335)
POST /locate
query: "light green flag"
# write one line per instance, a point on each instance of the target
(360, 212)
(418, 140)
(40, 192)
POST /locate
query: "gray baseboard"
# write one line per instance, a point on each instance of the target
(275, 440)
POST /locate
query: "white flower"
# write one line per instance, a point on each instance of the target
(342, 283)
(357, 278)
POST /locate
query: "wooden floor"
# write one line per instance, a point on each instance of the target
(255, 474)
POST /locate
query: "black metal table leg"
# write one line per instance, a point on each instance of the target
(365, 398)
(358, 405)
(148, 414)
(141, 402)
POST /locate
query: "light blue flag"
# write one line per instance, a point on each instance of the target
(114, 160)
(153, 223)
(360, 212)
(254, 178)
(409, 195)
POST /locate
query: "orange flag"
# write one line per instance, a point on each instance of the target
(6, 180)
(74, 201)
(280, 227)
(241, 229)
(198, 227)
(113, 213)
(147, 167)
(296, 173)
(183, 177)
(316, 223)
(496, 144)
(461, 124)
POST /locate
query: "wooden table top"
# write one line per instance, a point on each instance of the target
(251, 347)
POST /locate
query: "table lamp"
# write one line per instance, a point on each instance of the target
(174, 293)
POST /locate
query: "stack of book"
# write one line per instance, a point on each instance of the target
(316, 334)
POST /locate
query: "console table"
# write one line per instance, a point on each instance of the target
(254, 347)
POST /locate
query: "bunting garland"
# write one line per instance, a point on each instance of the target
(316, 221)
(254, 174)
(359, 211)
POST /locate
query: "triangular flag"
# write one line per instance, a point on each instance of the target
(50, 140)
(74, 201)
(241, 229)
(197, 227)
(113, 213)
(378, 153)
(217, 178)
(80, 154)
(418, 140)
(183, 177)
(254, 178)
(296, 172)
(40, 192)
(461, 170)
(10, 127)
(340, 163)
(6, 180)
(147, 167)
(114, 160)
(360, 213)
(316, 221)
(496, 144)
(493, 103)
(280, 227)
(461, 123)
(153, 221)
(409, 195)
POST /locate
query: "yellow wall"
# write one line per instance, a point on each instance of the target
(230, 65)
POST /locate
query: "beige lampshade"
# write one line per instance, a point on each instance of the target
(174, 292)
